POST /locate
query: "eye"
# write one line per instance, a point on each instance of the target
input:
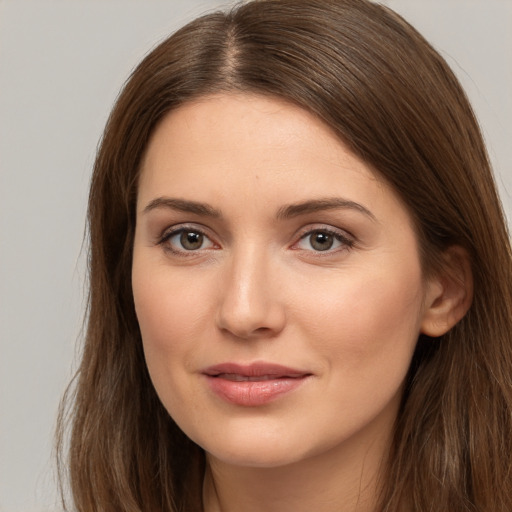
(190, 240)
(321, 240)
(186, 240)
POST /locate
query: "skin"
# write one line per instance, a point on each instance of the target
(258, 290)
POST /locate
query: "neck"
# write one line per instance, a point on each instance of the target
(341, 480)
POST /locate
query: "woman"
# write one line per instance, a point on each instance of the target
(300, 277)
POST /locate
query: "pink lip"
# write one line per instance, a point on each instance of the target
(255, 384)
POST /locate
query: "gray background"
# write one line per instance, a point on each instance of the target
(61, 66)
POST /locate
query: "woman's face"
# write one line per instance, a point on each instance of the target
(276, 281)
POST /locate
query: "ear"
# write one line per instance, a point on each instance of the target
(449, 293)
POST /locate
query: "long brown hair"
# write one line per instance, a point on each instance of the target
(393, 100)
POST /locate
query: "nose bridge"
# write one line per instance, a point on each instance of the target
(249, 305)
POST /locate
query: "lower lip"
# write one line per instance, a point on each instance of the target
(253, 393)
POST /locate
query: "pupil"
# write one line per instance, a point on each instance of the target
(321, 241)
(190, 240)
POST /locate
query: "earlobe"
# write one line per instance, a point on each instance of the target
(449, 294)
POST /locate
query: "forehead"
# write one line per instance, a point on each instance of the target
(245, 149)
(247, 121)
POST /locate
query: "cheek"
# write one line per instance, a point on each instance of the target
(169, 315)
(364, 333)
(172, 309)
(368, 319)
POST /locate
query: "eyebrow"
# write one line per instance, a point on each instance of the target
(316, 205)
(183, 205)
(285, 212)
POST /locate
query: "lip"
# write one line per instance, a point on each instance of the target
(254, 384)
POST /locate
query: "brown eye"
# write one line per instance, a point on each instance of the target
(321, 241)
(183, 240)
(324, 240)
(191, 240)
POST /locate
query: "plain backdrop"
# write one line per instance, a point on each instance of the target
(61, 66)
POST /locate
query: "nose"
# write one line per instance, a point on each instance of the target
(250, 304)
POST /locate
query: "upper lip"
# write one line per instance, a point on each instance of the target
(258, 369)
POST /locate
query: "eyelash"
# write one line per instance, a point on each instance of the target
(168, 235)
(346, 242)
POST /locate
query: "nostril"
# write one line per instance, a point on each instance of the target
(241, 331)
(263, 330)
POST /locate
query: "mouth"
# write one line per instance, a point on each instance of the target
(255, 384)
(253, 372)
(236, 377)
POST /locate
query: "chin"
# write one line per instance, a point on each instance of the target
(254, 448)
(260, 457)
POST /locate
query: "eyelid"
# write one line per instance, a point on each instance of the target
(176, 229)
(343, 236)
